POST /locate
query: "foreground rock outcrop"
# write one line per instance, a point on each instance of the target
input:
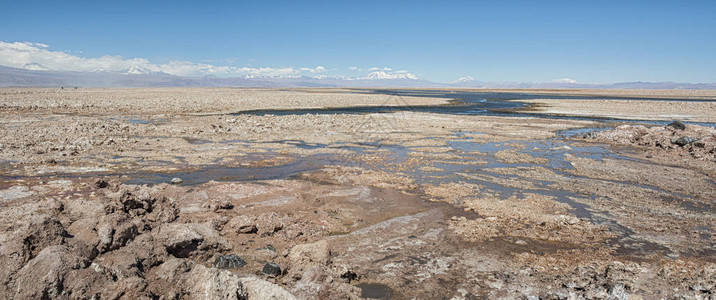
(133, 247)
(699, 142)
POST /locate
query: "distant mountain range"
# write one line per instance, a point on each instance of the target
(37, 76)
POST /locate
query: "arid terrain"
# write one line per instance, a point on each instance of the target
(208, 193)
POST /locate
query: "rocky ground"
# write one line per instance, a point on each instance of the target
(404, 205)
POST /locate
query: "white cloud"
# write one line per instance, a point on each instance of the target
(21, 54)
(37, 56)
(565, 80)
(465, 79)
(317, 69)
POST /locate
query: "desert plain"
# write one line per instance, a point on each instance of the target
(196, 193)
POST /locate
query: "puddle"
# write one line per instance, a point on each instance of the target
(138, 120)
(465, 103)
(375, 291)
(579, 132)
(221, 173)
(703, 228)
(465, 148)
(195, 141)
(299, 144)
(682, 201)
(448, 170)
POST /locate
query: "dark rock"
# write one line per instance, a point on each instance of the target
(677, 125)
(231, 261)
(349, 276)
(100, 184)
(271, 269)
(590, 135)
(111, 184)
(685, 140)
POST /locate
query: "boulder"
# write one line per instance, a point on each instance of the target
(119, 265)
(306, 256)
(677, 125)
(269, 223)
(685, 140)
(319, 282)
(115, 231)
(41, 231)
(86, 283)
(22, 243)
(128, 288)
(184, 240)
(205, 283)
(231, 261)
(147, 250)
(242, 225)
(150, 203)
(44, 276)
(271, 269)
(111, 183)
(171, 269)
(261, 289)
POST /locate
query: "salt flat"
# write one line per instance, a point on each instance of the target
(408, 204)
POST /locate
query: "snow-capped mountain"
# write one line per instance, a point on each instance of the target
(380, 75)
(137, 70)
(30, 75)
(35, 67)
(466, 79)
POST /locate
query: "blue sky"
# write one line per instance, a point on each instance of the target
(524, 41)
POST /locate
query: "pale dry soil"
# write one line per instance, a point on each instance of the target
(700, 107)
(693, 111)
(402, 205)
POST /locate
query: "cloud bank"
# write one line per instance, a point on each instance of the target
(38, 56)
